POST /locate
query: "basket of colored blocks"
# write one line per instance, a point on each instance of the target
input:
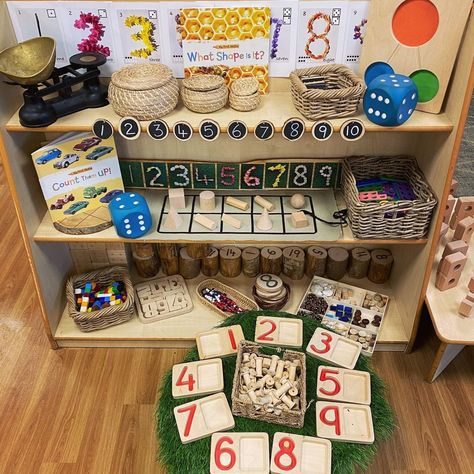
(387, 197)
(100, 299)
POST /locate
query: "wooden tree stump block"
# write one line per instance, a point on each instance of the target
(271, 260)
(188, 267)
(210, 263)
(293, 262)
(359, 262)
(169, 258)
(316, 261)
(251, 261)
(338, 259)
(197, 250)
(230, 261)
(145, 259)
(381, 262)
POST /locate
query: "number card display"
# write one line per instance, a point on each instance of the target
(264, 130)
(345, 422)
(197, 378)
(331, 347)
(352, 130)
(343, 385)
(296, 454)
(240, 453)
(179, 175)
(285, 332)
(102, 129)
(129, 128)
(158, 130)
(209, 130)
(322, 130)
(132, 174)
(219, 342)
(201, 418)
(237, 130)
(182, 131)
(293, 129)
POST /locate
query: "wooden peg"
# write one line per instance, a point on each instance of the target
(381, 261)
(238, 203)
(444, 283)
(205, 221)
(230, 261)
(316, 261)
(251, 261)
(359, 262)
(145, 259)
(464, 229)
(336, 266)
(272, 260)
(169, 258)
(455, 246)
(464, 208)
(197, 250)
(293, 262)
(188, 267)
(466, 308)
(449, 209)
(210, 263)
(262, 202)
(452, 265)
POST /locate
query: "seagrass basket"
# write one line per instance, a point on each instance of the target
(244, 302)
(294, 417)
(204, 93)
(105, 317)
(244, 94)
(326, 91)
(407, 219)
(144, 91)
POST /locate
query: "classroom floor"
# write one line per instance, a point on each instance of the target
(92, 410)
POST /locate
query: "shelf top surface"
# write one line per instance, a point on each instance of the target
(277, 107)
(443, 306)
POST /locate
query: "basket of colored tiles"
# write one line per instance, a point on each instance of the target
(100, 299)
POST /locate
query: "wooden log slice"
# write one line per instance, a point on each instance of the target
(338, 259)
(210, 263)
(271, 260)
(316, 258)
(145, 259)
(381, 261)
(359, 262)
(251, 261)
(169, 258)
(188, 267)
(293, 262)
(230, 261)
(197, 250)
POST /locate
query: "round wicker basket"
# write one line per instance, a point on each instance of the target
(244, 94)
(204, 93)
(144, 91)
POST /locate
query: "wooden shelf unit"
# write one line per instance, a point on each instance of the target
(433, 139)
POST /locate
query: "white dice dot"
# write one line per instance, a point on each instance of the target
(141, 222)
(377, 113)
(410, 111)
(400, 116)
(121, 206)
(140, 216)
(371, 110)
(387, 100)
(383, 80)
(132, 195)
(406, 80)
(391, 75)
(118, 199)
(404, 101)
(373, 96)
(142, 227)
(127, 226)
(384, 116)
(135, 203)
(380, 98)
(129, 232)
(413, 96)
(396, 85)
(394, 81)
(126, 221)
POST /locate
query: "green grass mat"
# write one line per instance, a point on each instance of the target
(193, 458)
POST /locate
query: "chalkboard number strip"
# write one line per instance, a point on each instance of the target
(352, 130)
(182, 131)
(264, 130)
(322, 130)
(293, 129)
(237, 130)
(102, 129)
(158, 130)
(129, 128)
(209, 130)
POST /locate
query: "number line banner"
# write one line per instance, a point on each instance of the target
(267, 175)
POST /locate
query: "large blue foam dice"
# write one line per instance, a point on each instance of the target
(130, 215)
(390, 99)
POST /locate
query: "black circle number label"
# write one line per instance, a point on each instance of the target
(158, 130)
(264, 130)
(322, 130)
(182, 131)
(129, 128)
(293, 129)
(352, 130)
(209, 130)
(237, 130)
(102, 129)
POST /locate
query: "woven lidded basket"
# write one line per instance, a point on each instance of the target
(204, 93)
(293, 418)
(244, 94)
(105, 317)
(326, 91)
(405, 219)
(244, 302)
(144, 91)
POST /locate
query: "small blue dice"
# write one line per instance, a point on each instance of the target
(390, 99)
(130, 215)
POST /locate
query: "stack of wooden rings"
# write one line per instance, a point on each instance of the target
(244, 94)
(270, 292)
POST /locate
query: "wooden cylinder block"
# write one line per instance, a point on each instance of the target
(145, 259)
(251, 261)
(293, 262)
(169, 258)
(316, 261)
(197, 250)
(338, 259)
(271, 260)
(381, 261)
(188, 267)
(359, 262)
(230, 261)
(210, 263)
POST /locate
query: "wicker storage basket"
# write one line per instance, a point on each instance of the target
(106, 317)
(244, 94)
(393, 220)
(144, 91)
(204, 93)
(326, 91)
(293, 418)
(239, 298)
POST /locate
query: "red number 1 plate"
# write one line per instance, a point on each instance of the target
(219, 342)
(286, 332)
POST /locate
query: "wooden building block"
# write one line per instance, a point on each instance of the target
(470, 296)
(466, 308)
(464, 208)
(240, 453)
(299, 220)
(284, 332)
(296, 454)
(207, 201)
(293, 262)
(337, 262)
(238, 203)
(449, 209)
(454, 186)
(444, 283)
(271, 260)
(464, 229)
(232, 221)
(333, 348)
(262, 202)
(201, 418)
(316, 261)
(197, 378)
(176, 197)
(251, 261)
(452, 265)
(471, 284)
(455, 246)
(230, 261)
(219, 342)
(344, 422)
(205, 221)
(343, 385)
(380, 266)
